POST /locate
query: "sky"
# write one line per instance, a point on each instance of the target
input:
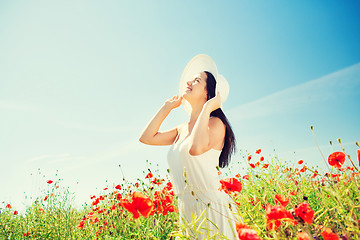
(80, 80)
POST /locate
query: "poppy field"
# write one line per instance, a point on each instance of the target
(274, 200)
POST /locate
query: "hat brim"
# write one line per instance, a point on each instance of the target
(199, 64)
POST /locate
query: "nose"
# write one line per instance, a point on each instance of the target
(189, 83)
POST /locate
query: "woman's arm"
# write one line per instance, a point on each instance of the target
(150, 134)
(206, 133)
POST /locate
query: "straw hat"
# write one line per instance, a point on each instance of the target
(198, 64)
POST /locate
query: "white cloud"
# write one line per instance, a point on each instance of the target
(10, 105)
(48, 157)
(329, 87)
(114, 152)
(95, 128)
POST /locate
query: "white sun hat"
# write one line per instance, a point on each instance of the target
(198, 64)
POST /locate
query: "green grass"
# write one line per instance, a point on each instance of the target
(334, 197)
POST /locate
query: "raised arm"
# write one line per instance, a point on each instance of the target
(207, 132)
(151, 134)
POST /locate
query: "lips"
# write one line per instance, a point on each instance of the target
(188, 88)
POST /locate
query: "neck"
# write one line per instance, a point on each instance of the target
(196, 110)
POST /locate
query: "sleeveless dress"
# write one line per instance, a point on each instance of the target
(196, 183)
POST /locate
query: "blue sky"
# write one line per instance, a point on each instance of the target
(79, 81)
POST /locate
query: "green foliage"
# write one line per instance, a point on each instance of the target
(334, 197)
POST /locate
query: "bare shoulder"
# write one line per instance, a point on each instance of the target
(216, 124)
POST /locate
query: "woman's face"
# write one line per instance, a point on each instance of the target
(196, 88)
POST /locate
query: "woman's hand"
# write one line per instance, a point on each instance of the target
(173, 102)
(213, 103)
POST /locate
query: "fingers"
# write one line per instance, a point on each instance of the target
(176, 97)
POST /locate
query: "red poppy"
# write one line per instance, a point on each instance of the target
(95, 202)
(257, 164)
(303, 236)
(315, 174)
(258, 151)
(277, 212)
(262, 158)
(46, 197)
(26, 234)
(273, 225)
(230, 185)
(8, 206)
(118, 187)
(336, 159)
(358, 154)
(252, 165)
(238, 175)
(157, 181)
(118, 196)
(149, 175)
(327, 234)
(240, 226)
(49, 181)
(140, 204)
(249, 158)
(136, 184)
(266, 165)
(305, 212)
(163, 202)
(281, 200)
(16, 212)
(81, 225)
(300, 161)
(246, 177)
(168, 186)
(246, 233)
(95, 220)
(303, 169)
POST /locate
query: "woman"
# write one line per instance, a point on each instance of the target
(198, 148)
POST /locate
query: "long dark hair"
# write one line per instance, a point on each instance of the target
(230, 143)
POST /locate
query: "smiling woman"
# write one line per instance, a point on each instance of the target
(198, 148)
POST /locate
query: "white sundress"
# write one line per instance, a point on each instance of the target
(196, 183)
